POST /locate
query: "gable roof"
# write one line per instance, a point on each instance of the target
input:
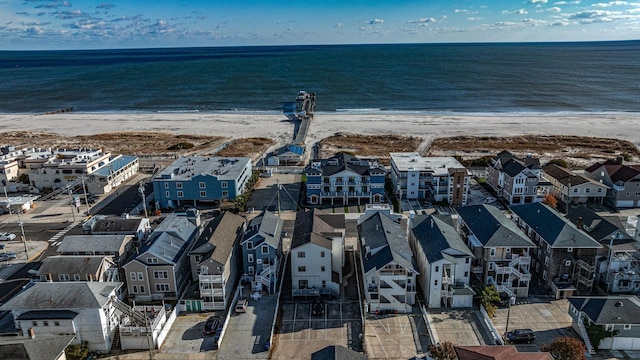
(266, 228)
(219, 237)
(309, 222)
(117, 224)
(169, 240)
(492, 227)
(344, 162)
(616, 171)
(380, 231)
(178, 225)
(436, 234)
(598, 227)
(40, 348)
(554, 228)
(566, 177)
(63, 295)
(70, 264)
(498, 353)
(609, 309)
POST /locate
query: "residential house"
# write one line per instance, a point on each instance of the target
(618, 264)
(501, 249)
(616, 313)
(160, 268)
(514, 179)
(344, 178)
(85, 309)
(78, 268)
(565, 257)
(388, 269)
(317, 254)
(214, 260)
(103, 225)
(443, 261)
(623, 182)
(289, 154)
(497, 353)
(570, 188)
(119, 247)
(40, 348)
(113, 174)
(262, 252)
(200, 180)
(430, 178)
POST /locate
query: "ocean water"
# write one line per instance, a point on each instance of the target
(430, 78)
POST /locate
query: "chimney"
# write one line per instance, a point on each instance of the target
(49, 277)
(90, 277)
(579, 223)
(619, 159)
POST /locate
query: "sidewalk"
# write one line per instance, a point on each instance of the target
(34, 248)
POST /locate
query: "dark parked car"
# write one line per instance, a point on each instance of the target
(521, 336)
(318, 309)
(212, 325)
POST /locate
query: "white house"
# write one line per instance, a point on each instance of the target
(443, 260)
(387, 262)
(317, 254)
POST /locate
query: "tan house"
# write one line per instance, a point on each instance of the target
(623, 180)
(78, 268)
(571, 188)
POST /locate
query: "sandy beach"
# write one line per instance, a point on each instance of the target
(279, 128)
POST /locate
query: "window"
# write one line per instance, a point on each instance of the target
(435, 282)
(162, 287)
(152, 260)
(34, 323)
(179, 185)
(135, 289)
(56, 323)
(567, 263)
(546, 260)
(160, 275)
(250, 258)
(45, 323)
(167, 194)
(224, 185)
(302, 254)
(492, 252)
(302, 268)
(63, 277)
(548, 248)
(166, 185)
(569, 249)
(321, 253)
(466, 261)
(202, 185)
(140, 276)
(437, 268)
(544, 275)
(180, 194)
(599, 190)
(198, 258)
(225, 193)
(265, 249)
(575, 190)
(142, 288)
(627, 326)
(76, 277)
(203, 194)
(466, 274)
(132, 275)
(321, 268)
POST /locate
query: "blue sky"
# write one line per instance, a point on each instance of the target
(86, 24)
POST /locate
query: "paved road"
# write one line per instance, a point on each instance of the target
(128, 198)
(15, 282)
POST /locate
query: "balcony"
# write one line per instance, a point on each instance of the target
(583, 265)
(211, 291)
(446, 279)
(212, 279)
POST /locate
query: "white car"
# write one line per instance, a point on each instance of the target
(7, 236)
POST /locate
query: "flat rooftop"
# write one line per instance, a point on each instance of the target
(225, 168)
(413, 161)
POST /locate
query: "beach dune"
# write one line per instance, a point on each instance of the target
(278, 127)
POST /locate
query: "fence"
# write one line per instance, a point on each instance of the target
(427, 320)
(492, 329)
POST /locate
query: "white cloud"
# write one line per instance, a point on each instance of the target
(538, 1)
(609, 4)
(376, 21)
(422, 21)
(464, 11)
(554, 9)
(506, 24)
(560, 23)
(519, 12)
(474, 18)
(575, 2)
(533, 22)
(339, 25)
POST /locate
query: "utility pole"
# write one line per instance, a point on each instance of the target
(71, 203)
(86, 201)
(144, 199)
(24, 238)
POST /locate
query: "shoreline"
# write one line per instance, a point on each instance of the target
(278, 127)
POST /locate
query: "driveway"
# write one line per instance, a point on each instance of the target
(396, 336)
(186, 337)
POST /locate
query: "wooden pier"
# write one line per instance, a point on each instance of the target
(305, 107)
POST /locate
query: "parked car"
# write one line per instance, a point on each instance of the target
(212, 325)
(241, 305)
(8, 256)
(318, 309)
(521, 336)
(7, 236)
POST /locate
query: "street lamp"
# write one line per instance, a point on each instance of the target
(506, 328)
(71, 203)
(144, 199)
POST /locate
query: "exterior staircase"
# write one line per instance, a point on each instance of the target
(583, 333)
(129, 311)
(115, 343)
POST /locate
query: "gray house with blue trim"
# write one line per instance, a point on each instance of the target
(262, 251)
(194, 180)
(344, 178)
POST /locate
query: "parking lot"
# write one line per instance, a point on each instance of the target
(396, 336)
(186, 336)
(459, 326)
(547, 319)
(301, 333)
